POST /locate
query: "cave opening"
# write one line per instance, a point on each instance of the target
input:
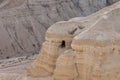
(63, 44)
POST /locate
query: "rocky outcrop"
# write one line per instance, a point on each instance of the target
(103, 46)
(88, 49)
(83, 48)
(66, 67)
(24, 22)
(58, 39)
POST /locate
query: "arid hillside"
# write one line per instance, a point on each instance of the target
(81, 48)
(23, 22)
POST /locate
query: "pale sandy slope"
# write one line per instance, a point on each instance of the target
(15, 68)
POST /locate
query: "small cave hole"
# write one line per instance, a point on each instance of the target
(7, 57)
(63, 44)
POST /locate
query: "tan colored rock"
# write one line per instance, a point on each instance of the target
(91, 53)
(65, 67)
(95, 17)
(83, 61)
(24, 22)
(97, 48)
(106, 32)
(45, 63)
(58, 39)
(101, 41)
(64, 30)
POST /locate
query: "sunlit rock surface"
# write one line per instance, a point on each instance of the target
(88, 49)
(82, 48)
(23, 22)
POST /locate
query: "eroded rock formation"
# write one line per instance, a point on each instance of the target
(24, 22)
(88, 49)
(58, 39)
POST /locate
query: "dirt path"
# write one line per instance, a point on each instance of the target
(14, 69)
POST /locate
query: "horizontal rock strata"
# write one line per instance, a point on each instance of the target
(24, 22)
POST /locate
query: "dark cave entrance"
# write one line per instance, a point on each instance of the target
(63, 44)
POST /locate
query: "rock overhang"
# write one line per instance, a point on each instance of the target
(94, 50)
(64, 30)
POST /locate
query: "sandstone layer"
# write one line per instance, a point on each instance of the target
(58, 39)
(86, 48)
(82, 48)
(24, 22)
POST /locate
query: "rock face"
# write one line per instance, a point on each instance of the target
(24, 22)
(66, 67)
(58, 39)
(102, 43)
(87, 48)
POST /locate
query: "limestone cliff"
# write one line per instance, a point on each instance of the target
(24, 22)
(86, 48)
(82, 48)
